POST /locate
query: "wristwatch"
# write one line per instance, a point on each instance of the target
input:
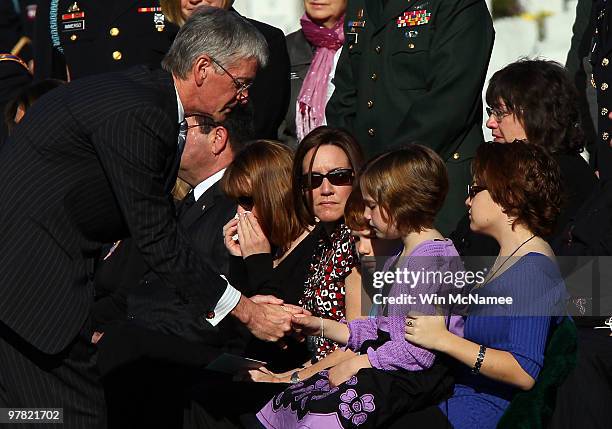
(295, 377)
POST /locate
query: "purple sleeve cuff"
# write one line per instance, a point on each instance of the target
(361, 330)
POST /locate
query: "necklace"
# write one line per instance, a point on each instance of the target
(489, 278)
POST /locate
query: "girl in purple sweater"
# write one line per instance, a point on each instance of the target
(403, 190)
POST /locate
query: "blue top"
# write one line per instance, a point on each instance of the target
(521, 329)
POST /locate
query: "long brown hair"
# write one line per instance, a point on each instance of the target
(262, 171)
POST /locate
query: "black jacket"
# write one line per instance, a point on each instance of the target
(88, 165)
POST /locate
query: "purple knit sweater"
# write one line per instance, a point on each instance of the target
(399, 353)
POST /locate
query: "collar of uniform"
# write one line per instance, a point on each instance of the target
(204, 186)
(181, 110)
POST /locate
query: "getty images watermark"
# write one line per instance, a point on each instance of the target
(532, 285)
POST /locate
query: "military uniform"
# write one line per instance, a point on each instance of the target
(413, 71)
(89, 37)
(601, 80)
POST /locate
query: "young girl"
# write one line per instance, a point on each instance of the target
(403, 191)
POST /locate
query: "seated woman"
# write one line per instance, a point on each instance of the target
(271, 251)
(536, 101)
(515, 199)
(314, 50)
(390, 375)
(324, 170)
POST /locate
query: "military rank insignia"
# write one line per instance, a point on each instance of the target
(413, 18)
(73, 19)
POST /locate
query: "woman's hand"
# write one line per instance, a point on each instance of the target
(251, 237)
(264, 375)
(428, 332)
(230, 229)
(304, 324)
(345, 370)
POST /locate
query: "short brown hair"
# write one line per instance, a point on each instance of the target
(524, 180)
(318, 137)
(353, 211)
(410, 185)
(262, 170)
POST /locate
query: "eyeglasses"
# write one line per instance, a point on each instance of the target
(245, 202)
(497, 114)
(339, 177)
(241, 87)
(472, 190)
(201, 121)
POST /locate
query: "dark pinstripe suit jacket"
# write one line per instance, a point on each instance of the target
(88, 165)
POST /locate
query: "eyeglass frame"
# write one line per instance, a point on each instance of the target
(240, 87)
(306, 179)
(473, 190)
(212, 123)
(246, 202)
(498, 114)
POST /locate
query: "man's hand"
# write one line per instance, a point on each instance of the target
(267, 320)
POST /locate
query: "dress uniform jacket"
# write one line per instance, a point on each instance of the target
(92, 37)
(601, 80)
(413, 71)
(88, 165)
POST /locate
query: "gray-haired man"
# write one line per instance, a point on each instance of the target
(90, 164)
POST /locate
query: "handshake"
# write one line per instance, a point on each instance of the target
(270, 319)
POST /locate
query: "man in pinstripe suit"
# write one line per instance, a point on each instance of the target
(90, 164)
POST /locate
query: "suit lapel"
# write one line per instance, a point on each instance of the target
(201, 206)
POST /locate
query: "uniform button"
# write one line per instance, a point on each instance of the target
(605, 136)
(370, 104)
(456, 156)
(604, 111)
(374, 76)
(378, 49)
(117, 55)
(210, 315)
(605, 62)
(411, 45)
(114, 31)
(73, 37)
(604, 86)
(372, 132)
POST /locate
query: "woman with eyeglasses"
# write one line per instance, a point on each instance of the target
(535, 101)
(515, 199)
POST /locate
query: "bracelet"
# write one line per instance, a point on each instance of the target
(479, 359)
(322, 328)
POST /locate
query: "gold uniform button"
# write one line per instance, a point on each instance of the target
(605, 62)
(378, 49)
(456, 156)
(370, 104)
(605, 136)
(117, 55)
(604, 86)
(372, 132)
(73, 37)
(114, 31)
(604, 111)
(411, 45)
(374, 76)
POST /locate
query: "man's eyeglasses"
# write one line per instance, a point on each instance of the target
(245, 202)
(241, 87)
(472, 190)
(498, 114)
(204, 121)
(339, 177)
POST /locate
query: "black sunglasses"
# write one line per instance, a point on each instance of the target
(245, 202)
(339, 177)
(472, 190)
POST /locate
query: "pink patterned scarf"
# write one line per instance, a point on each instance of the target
(310, 108)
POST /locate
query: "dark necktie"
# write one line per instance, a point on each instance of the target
(186, 203)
